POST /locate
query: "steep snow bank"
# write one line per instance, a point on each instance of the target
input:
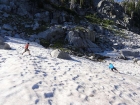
(40, 79)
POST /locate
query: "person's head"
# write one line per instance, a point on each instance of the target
(28, 43)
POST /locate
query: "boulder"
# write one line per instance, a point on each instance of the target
(91, 33)
(5, 15)
(1, 40)
(96, 29)
(5, 8)
(80, 42)
(4, 2)
(96, 2)
(130, 53)
(37, 40)
(5, 46)
(17, 36)
(138, 62)
(60, 54)
(36, 25)
(7, 27)
(52, 34)
(22, 9)
(110, 8)
(44, 16)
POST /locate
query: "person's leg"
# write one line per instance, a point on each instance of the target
(29, 52)
(24, 51)
(115, 69)
(112, 69)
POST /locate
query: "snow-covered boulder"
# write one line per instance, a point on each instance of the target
(60, 54)
(5, 46)
(138, 62)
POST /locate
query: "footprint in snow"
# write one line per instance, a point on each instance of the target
(35, 86)
(48, 95)
(36, 101)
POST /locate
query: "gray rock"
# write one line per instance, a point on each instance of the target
(5, 15)
(90, 27)
(5, 8)
(7, 27)
(37, 40)
(22, 10)
(31, 39)
(82, 43)
(112, 11)
(42, 16)
(138, 62)
(37, 15)
(12, 5)
(17, 36)
(98, 29)
(96, 2)
(47, 13)
(128, 53)
(27, 26)
(54, 21)
(91, 35)
(3, 32)
(43, 34)
(34, 36)
(92, 47)
(1, 40)
(4, 2)
(5, 46)
(35, 26)
(91, 57)
(52, 34)
(60, 54)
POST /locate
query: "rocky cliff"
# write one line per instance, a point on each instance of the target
(94, 26)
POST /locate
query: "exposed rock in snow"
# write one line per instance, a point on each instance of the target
(60, 54)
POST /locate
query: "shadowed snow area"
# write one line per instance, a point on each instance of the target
(39, 79)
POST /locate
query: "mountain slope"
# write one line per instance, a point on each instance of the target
(40, 79)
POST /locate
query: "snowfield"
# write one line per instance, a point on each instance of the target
(40, 79)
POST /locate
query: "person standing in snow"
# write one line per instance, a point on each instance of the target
(112, 67)
(26, 49)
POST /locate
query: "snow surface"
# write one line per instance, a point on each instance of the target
(40, 79)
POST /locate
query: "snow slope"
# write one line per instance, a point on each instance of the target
(40, 79)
